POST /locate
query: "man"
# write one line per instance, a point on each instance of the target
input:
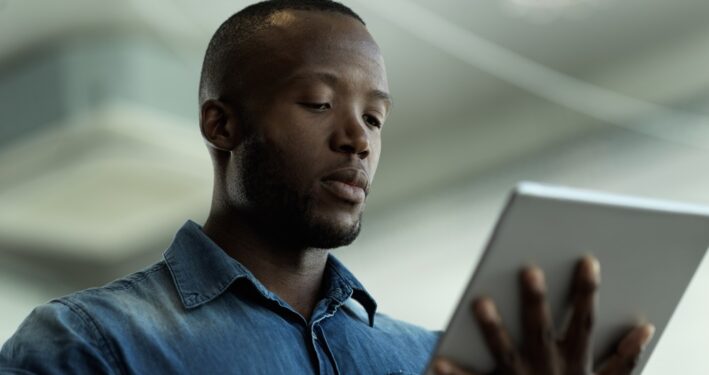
(293, 97)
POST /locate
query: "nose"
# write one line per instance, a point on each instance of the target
(351, 137)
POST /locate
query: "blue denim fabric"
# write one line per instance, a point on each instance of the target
(201, 312)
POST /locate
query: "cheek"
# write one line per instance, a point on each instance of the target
(373, 159)
(299, 148)
(296, 132)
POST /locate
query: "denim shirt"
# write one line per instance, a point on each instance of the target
(199, 311)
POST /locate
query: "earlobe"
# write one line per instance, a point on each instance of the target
(218, 125)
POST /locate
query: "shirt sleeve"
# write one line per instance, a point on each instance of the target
(58, 338)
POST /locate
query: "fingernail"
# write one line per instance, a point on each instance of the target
(649, 333)
(487, 310)
(535, 278)
(636, 342)
(592, 267)
(444, 368)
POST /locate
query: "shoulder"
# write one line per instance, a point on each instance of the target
(146, 278)
(83, 307)
(56, 331)
(136, 292)
(83, 324)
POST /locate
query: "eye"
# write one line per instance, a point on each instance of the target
(318, 107)
(372, 121)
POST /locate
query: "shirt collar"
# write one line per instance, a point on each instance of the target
(202, 271)
(341, 284)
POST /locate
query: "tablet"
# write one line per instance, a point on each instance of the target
(648, 249)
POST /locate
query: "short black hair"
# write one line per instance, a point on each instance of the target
(229, 39)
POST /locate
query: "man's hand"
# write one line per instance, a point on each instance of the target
(542, 352)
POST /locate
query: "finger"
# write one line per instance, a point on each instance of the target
(496, 337)
(628, 353)
(446, 367)
(538, 344)
(576, 345)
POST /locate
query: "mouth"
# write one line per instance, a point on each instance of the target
(348, 184)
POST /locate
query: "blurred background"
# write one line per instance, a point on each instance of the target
(101, 159)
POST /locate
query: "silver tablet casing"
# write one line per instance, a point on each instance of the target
(648, 249)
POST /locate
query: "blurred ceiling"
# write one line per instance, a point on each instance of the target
(100, 184)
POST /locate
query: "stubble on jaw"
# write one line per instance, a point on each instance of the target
(280, 212)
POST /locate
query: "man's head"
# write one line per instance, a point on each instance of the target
(292, 98)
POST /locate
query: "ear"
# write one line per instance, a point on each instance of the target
(219, 125)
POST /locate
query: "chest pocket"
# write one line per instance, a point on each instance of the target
(401, 373)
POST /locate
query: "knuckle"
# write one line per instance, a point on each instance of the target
(588, 322)
(631, 362)
(508, 361)
(534, 297)
(586, 286)
(490, 328)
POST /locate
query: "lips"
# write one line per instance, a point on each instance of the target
(349, 184)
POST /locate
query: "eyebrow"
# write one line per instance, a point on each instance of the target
(332, 80)
(382, 95)
(328, 78)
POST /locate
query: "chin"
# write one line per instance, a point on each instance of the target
(330, 234)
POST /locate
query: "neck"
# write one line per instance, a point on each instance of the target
(292, 273)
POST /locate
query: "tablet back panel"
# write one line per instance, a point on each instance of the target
(648, 250)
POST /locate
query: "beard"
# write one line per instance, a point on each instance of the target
(280, 212)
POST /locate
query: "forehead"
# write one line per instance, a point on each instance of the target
(301, 41)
